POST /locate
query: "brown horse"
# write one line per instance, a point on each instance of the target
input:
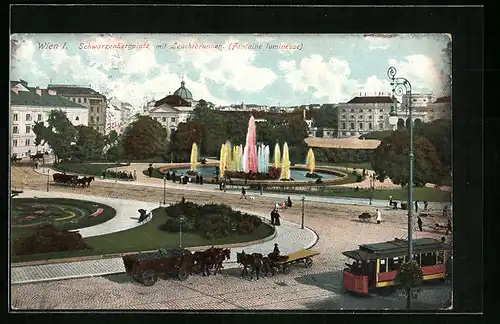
(253, 261)
(224, 254)
(206, 260)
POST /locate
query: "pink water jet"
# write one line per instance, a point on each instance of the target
(251, 164)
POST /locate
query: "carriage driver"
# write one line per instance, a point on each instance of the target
(276, 249)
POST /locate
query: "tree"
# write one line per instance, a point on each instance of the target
(60, 134)
(408, 277)
(89, 144)
(183, 138)
(326, 116)
(145, 138)
(438, 133)
(390, 159)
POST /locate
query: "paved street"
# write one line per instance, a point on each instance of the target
(315, 288)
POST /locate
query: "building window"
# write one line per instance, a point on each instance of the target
(14, 142)
(39, 117)
(369, 110)
(370, 117)
(27, 142)
(360, 116)
(381, 110)
(164, 119)
(352, 116)
(14, 117)
(352, 110)
(15, 130)
(99, 110)
(77, 118)
(91, 109)
(380, 117)
(360, 125)
(342, 117)
(91, 119)
(343, 126)
(343, 110)
(97, 118)
(28, 117)
(352, 125)
(172, 119)
(28, 129)
(361, 110)
(79, 100)
(84, 100)
(370, 126)
(381, 126)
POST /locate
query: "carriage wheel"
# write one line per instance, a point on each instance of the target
(286, 269)
(182, 274)
(308, 262)
(137, 277)
(149, 277)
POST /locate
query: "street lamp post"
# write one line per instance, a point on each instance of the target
(303, 200)
(48, 178)
(164, 188)
(399, 87)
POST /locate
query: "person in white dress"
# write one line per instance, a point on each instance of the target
(379, 219)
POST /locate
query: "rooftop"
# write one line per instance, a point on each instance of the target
(446, 99)
(173, 100)
(74, 90)
(371, 99)
(31, 98)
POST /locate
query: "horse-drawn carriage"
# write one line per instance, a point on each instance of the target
(301, 256)
(147, 267)
(72, 180)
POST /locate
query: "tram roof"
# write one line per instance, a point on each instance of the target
(394, 248)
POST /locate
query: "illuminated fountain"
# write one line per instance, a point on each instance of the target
(222, 160)
(285, 163)
(311, 164)
(193, 160)
(277, 156)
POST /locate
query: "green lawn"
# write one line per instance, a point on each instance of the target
(144, 238)
(156, 173)
(86, 168)
(88, 207)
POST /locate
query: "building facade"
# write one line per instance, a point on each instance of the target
(95, 102)
(29, 105)
(362, 115)
(170, 111)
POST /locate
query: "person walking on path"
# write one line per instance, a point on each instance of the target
(135, 175)
(379, 218)
(448, 227)
(445, 211)
(273, 213)
(416, 206)
(390, 201)
(173, 176)
(201, 179)
(426, 205)
(419, 222)
(276, 250)
(150, 170)
(243, 193)
(277, 219)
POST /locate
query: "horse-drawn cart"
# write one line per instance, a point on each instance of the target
(301, 256)
(147, 267)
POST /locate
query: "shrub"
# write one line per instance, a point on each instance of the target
(49, 239)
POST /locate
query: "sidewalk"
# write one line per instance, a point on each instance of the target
(289, 236)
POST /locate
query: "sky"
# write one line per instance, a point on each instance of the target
(231, 69)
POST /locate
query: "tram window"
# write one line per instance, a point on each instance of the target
(394, 263)
(416, 257)
(383, 265)
(428, 259)
(440, 257)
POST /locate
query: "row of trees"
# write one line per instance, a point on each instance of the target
(146, 138)
(432, 155)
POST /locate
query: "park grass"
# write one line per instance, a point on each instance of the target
(155, 174)
(86, 205)
(86, 168)
(145, 238)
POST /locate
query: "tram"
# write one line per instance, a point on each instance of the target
(376, 265)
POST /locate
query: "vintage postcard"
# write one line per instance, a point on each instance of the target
(222, 172)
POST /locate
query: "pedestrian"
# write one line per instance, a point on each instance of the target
(390, 201)
(289, 202)
(173, 176)
(150, 170)
(135, 175)
(276, 250)
(416, 206)
(448, 227)
(443, 239)
(243, 193)
(104, 174)
(220, 185)
(224, 186)
(261, 188)
(201, 179)
(445, 211)
(181, 178)
(426, 205)
(197, 179)
(272, 216)
(277, 219)
(183, 200)
(379, 218)
(419, 222)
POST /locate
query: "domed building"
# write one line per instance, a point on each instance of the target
(183, 92)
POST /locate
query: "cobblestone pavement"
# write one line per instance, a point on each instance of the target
(316, 288)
